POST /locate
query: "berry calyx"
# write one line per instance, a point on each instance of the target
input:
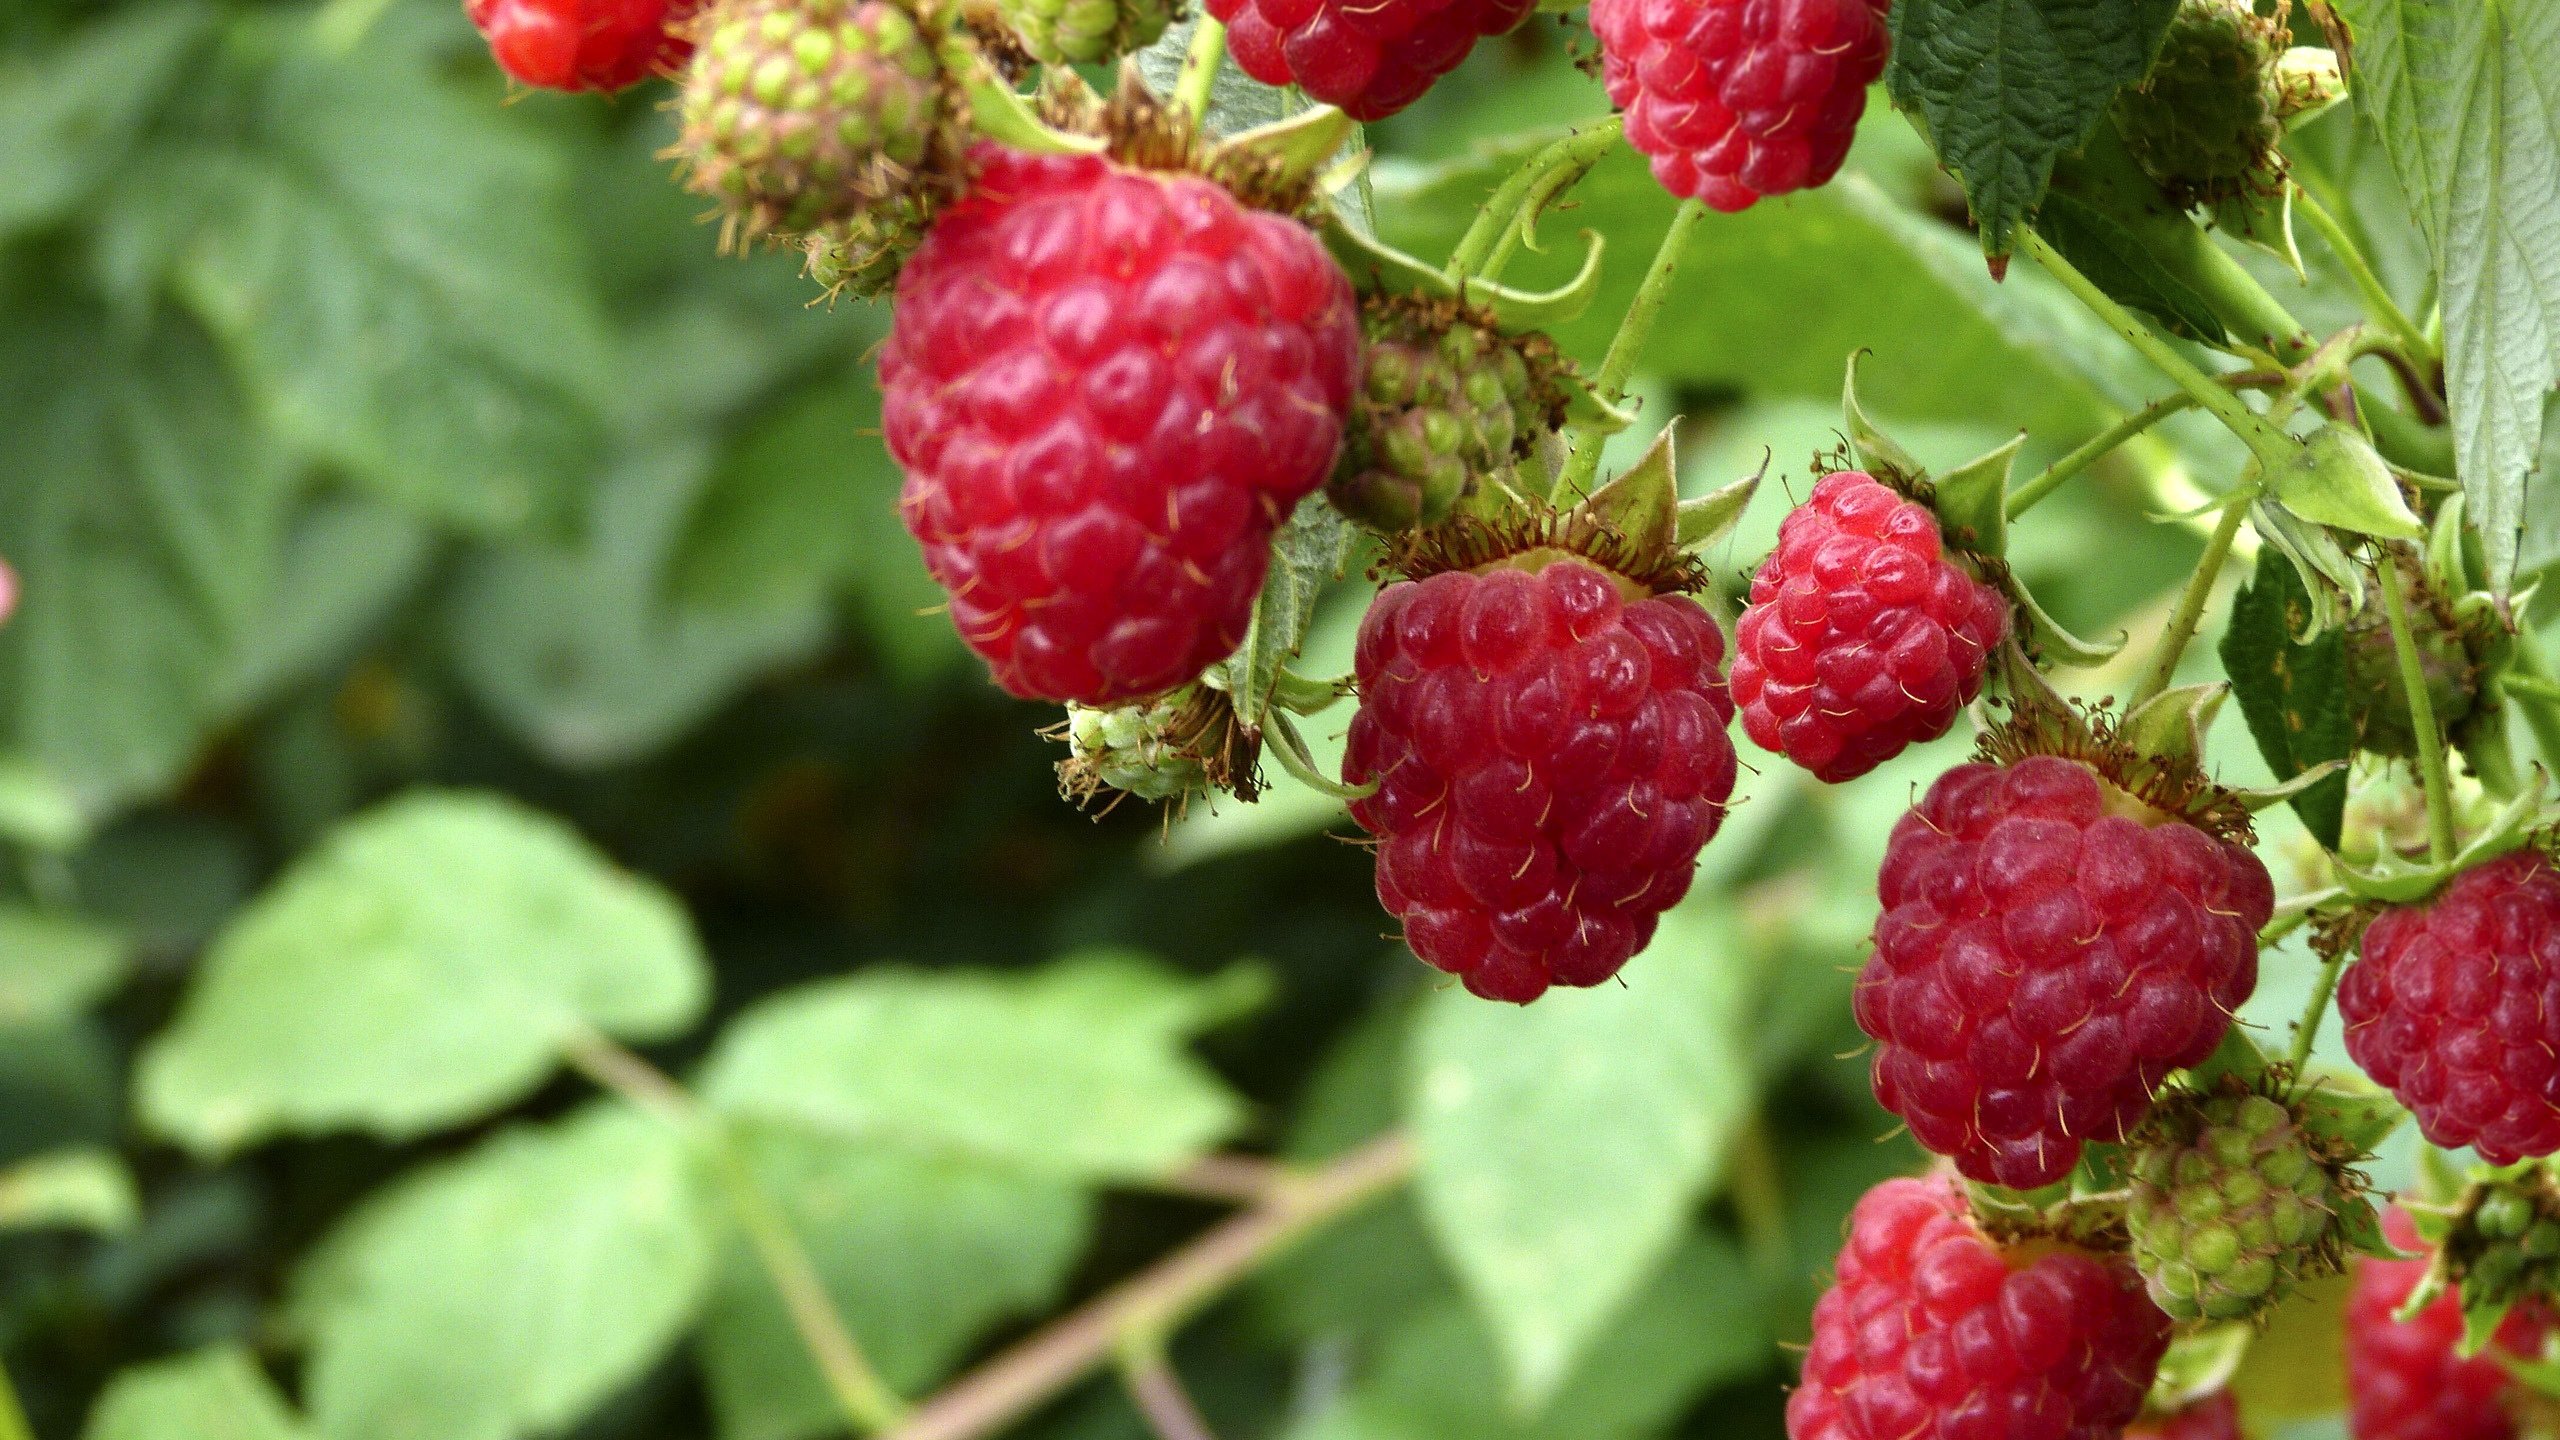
(1371, 58)
(1547, 738)
(1168, 749)
(2206, 122)
(2445, 1008)
(1862, 637)
(1736, 100)
(1108, 386)
(1447, 405)
(1935, 1330)
(804, 114)
(2056, 939)
(2406, 1379)
(582, 44)
(2230, 1201)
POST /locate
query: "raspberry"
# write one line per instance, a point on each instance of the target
(2445, 1009)
(805, 113)
(2404, 1380)
(2229, 1200)
(1734, 100)
(1935, 1331)
(1370, 57)
(2050, 948)
(1108, 386)
(1862, 637)
(2205, 122)
(2216, 1417)
(582, 44)
(1445, 401)
(1550, 756)
(1085, 32)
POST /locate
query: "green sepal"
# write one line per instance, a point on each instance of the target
(2395, 881)
(2264, 221)
(2172, 724)
(2254, 798)
(1643, 502)
(2336, 479)
(1875, 451)
(1295, 147)
(1712, 516)
(1378, 266)
(2332, 580)
(2309, 82)
(1972, 500)
(2057, 644)
(1282, 742)
(2351, 1112)
(2447, 571)
(2200, 1365)
(997, 112)
(2480, 1322)
(1584, 407)
(2359, 1231)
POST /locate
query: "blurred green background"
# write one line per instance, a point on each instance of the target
(364, 426)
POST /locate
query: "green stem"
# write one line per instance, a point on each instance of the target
(2191, 602)
(2268, 443)
(1199, 71)
(1610, 384)
(1498, 222)
(2422, 716)
(2377, 300)
(2307, 1029)
(2026, 497)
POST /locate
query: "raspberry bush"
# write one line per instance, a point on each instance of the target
(936, 721)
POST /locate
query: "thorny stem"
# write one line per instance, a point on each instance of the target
(1191, 85)
(2422, 716)
(2191, 602)
(2307, 1029)
(1159, 1395)
(1499, 223)
(1610, 384)
(1152, 1302)
(2377, 300)
(867, 1402)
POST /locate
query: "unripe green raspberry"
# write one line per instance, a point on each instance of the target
(2229, 1202)
(861, 256)
(2375, 698)
(1085, 32)
(800, 114)
(2206, 122)
(1127, 749)
(1448, 405)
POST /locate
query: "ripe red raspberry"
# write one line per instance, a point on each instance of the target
(1370, 57)
(583, 44)
(1108, 386)
(2446, 1009)
(1737, 99)
(1934, 1331)
(2404, 1381)
(1550, 755)
(2051, 947)
(1862, 637)
(2216, 1417)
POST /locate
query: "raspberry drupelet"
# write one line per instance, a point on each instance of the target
(1371, 58)
(582, 44)
(2406, 1380)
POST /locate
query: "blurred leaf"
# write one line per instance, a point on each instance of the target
(1565, 1143)
(393, 270)
(70, 114)
(1697, 1325)
(37, 810)
(2293, 693)
(2292, 1370)
(920, 1255)
(69, 1189)
(425, 965)
(52, 966)
(347, 563)
(1076, 1070)
(506, 1293)
(2004, 87)
(144, 515)
(1237, 101)
(2466, 98)
(2117, 261)
(578, 649)
(209, 1395)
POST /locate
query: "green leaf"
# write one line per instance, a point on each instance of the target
(2117, 261)
(70, 114)
(70, 1189)
(2005, 87)
(348, 562)
(1564, 1144)
(2336, 479)
(919, 1254)
(508, 1292)
(2292, 691)
(209, 1395)
(1237, 101)
(1699, 1325)
(1077, 1070)
(2466, 98)
(52, 966)
(1306, 555)
(578, 648)
(424, 966)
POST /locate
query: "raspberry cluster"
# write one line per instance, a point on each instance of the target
(1935, 1331)
(2051, 947)
(2405, 1380)
(582, 44)
(1734, 100)
(1372, 58)
(2447, 1008)
(1108, 386)
(1862, 637)
(1550, 754)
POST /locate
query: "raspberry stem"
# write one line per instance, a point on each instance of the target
(1158, 1392)
(2033, 493)
(2377, 300)
(2422, 717)
(1200, 63)
(2316, 1009)
(1498, 224)
(2191, 601)
(1610, 385)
